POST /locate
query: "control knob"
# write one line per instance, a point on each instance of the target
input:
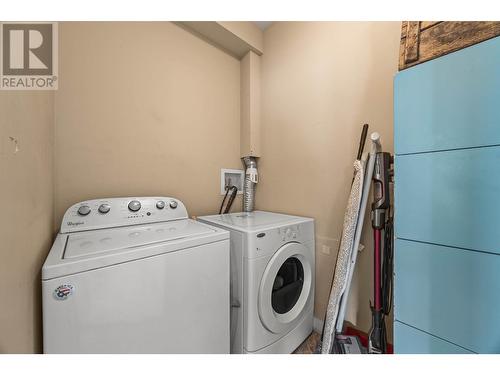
(83, 210)
(104, 208)
(134, 206)
(160, 205)
(173, 204)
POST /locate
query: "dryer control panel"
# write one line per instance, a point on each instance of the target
(268, 241)
(118, 212)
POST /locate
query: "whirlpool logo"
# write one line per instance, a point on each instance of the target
(28, 56)
(74, 223)
(62, 292)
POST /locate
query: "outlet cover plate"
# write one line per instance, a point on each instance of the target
(236, 176)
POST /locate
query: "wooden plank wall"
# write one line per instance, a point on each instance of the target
(425, 40)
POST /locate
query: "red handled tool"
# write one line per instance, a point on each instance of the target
(383, 254)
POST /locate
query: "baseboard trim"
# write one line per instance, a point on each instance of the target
(318, 325)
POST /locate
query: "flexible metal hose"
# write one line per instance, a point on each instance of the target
(249, 185)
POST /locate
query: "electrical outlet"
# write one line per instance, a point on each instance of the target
(326, 245)
(233, 177)
(326, 249)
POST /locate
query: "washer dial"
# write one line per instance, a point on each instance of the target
(134, 206)
(104, 208)
(83, 210)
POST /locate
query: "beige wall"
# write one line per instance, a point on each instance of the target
(26, 189)
(144, 109)
(320, 82)
(150, 109)
(250, 101)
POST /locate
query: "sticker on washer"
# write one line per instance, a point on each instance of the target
(62, 292)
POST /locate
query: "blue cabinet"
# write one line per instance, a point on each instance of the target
(450, 198)
(410, 340)
(447, 203)
(451, 293)
(450, 102)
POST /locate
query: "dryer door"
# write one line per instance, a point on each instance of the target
(286, 287)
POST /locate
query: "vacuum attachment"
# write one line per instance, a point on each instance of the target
(348, 345)
(381, 196)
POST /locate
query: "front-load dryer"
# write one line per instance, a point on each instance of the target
(272, 280)
(135, 275)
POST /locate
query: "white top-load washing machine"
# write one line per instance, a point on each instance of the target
(135, 275)
(272, 280)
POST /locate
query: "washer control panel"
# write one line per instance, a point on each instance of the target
(116, 212)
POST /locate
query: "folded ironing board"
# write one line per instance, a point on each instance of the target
(349, 244)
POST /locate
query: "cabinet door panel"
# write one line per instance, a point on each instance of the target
(451, 102)
(408, 340)
(450, 198)
(450, 293)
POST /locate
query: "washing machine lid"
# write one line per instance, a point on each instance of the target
(83, 251)
(119, 239)
(253, 221)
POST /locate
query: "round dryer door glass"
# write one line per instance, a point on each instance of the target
(287, 285)
(286, 288)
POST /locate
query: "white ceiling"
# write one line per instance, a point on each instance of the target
(263, 24)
